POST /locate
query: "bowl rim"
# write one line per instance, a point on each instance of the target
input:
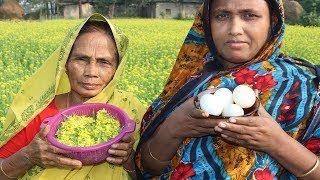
(128, 127)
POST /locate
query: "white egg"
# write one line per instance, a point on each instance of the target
(211, 104)
(226, 95)
(244, 96)
(233, 110)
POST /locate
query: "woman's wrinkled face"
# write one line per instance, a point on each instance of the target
(239, 28)
(92, 63)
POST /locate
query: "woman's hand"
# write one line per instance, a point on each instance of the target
(41, 153)
(259, 133)
(187, 121)
(120, 152)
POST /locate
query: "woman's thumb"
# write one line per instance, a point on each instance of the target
(262, 111)
(44, 131)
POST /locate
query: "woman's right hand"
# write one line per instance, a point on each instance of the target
(187, 121)
(41, 153)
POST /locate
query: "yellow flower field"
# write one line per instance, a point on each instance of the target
(154, 44)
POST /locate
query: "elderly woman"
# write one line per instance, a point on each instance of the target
(84, 69)
(231, 43)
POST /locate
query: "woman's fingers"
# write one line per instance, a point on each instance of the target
(116, 161)
(44, 154)
(196, 113)
(122, 146)
(128, 138)
(200, 131)
(189, 109)
(54, 160)
(43, 132)
(231, 134)
(55, 150)
(120, 153)
(209, 123)
(69, 163)
(232, 139)
(247, 121)
(64, 162)
(262, 111)
(239, 129)
(118, 157)
(241, 139)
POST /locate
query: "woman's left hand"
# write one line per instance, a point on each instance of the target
(120, 152)
(259, 133)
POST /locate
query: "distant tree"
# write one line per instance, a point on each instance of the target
(108, 6)
(311, 15)
(47, 5)
(311, 6)
(105, 7)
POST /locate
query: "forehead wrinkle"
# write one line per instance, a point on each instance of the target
(90, 46)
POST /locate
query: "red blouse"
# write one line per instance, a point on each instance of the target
(26, 135)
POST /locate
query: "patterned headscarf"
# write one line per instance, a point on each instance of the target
(199, 43)
(287, 91)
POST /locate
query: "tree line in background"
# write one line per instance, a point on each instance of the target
(52, 8)
(311, 14)
(304, 12)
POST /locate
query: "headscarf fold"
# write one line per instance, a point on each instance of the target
(51, 80)
(287, 91)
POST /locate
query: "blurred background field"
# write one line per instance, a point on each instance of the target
(154, 45)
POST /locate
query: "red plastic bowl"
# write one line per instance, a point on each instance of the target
(93, 154)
